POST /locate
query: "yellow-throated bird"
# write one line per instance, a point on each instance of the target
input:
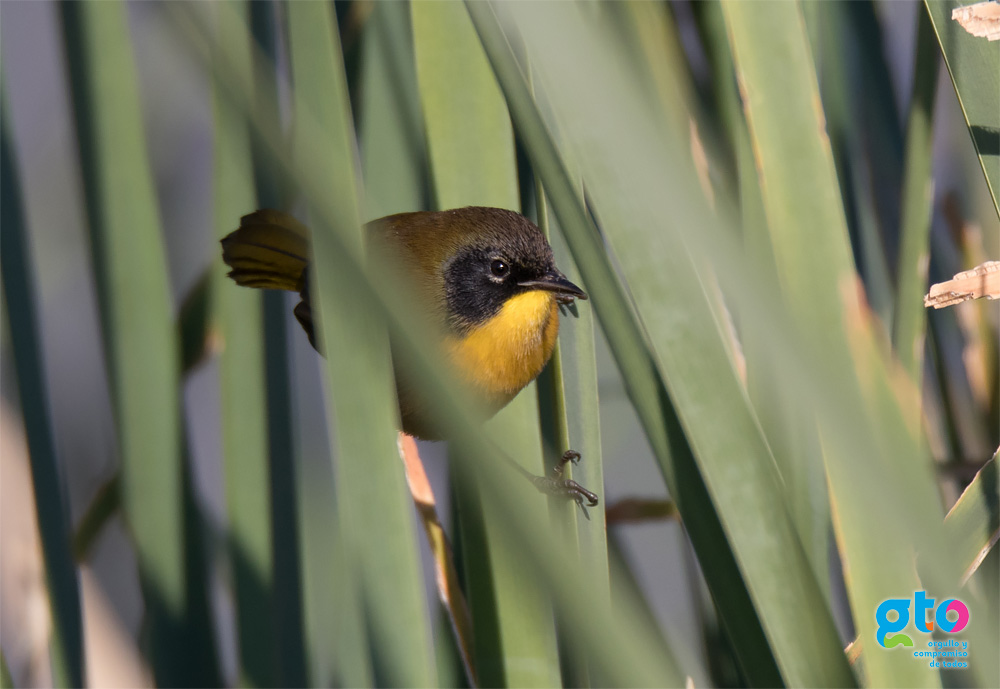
(486, 275)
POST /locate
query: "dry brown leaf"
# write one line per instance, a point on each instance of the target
(25, 626)
(449, 590)
(112, 658)
(637, 510)
(701, 164)
(982, 281)
(981, 20)
(112, 655)
(853, 651)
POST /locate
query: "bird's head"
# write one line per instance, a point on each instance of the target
(497, 256)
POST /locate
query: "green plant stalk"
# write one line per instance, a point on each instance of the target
(239, 315)
(570, 419)
(471, 150)
(135, 307)
(568, 399)
(554, 429)
(973, 66)
(552, 418)
(376, 517)
(910, 322)
(581, 409)
(51, 510)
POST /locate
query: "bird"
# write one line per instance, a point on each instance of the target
(486, 278)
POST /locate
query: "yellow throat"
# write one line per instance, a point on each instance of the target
(502, 355)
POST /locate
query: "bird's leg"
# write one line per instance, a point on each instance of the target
(555, 484)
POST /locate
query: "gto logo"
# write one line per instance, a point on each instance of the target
(887, 632)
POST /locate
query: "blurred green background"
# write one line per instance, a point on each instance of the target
(755, 195)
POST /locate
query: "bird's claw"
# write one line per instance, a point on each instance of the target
(557, 485)
(568, 456)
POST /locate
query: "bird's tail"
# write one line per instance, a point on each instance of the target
(270, 250)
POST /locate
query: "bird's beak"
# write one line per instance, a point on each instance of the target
(555, 282)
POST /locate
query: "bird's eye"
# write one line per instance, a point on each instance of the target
(499, 268)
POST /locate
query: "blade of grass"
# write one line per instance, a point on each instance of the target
(134, 297)
(648, 30)
(578, 366)
(973, 66)
(316, 606)
(376, 520)
(239, 314)
(724, 96)
(394, 160)
(446, 46)
(570, 419)
(471, 149)
(791, 435)
(659, 278)
(974, 520)
(196, 630)
(800, 190)
(848, 115)
(654, 29)
(51, 510)
(881, 133)
(985, 584)
(294, 565)
(918, 197)
(390, 123)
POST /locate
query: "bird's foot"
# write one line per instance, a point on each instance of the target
(555, 484)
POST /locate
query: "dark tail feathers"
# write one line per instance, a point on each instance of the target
(270, 250)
